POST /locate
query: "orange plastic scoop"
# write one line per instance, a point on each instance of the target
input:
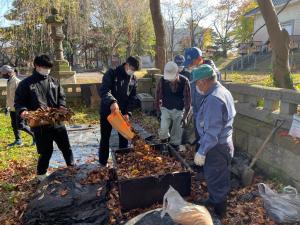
(117, 121)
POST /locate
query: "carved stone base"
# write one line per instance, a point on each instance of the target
(62, 70)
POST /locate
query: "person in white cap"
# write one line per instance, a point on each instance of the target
(16, 122)
(173, 103)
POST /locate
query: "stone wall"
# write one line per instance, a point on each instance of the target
(258, 108)
(74, 94)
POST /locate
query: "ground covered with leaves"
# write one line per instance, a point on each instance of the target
(18, 183)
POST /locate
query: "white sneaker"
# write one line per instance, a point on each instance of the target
(181, 148)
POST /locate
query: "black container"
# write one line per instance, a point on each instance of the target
(142, 192)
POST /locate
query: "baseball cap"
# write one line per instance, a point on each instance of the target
(170, 71)
(6, 69)
(202, 72)
(191, 54)
(179, 60)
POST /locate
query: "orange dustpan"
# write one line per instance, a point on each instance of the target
(118, 122)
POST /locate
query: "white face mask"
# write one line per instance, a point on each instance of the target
(180, 69)
(199, 91)
(44, 72)
(130, 72)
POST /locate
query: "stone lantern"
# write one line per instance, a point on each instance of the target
(61, 68)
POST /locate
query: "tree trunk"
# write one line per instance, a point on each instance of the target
(157, 19)
(280, 41)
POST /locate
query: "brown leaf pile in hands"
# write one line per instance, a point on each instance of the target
(144, 161)
(50, 115)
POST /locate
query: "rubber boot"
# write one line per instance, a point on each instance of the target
(164, 147)
(220, 209)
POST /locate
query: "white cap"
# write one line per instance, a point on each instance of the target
(170, 71)
(6, 69)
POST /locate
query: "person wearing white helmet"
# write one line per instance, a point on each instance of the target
(173, 102)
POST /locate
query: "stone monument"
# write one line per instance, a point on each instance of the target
(61, 68)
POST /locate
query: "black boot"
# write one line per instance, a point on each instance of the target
(164, 146)
(220, 209)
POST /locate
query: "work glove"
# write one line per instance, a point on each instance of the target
(199, 159)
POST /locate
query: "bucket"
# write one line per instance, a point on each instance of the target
(118, 122)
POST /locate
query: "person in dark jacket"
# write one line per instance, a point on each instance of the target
(38, 91)
(117, 91)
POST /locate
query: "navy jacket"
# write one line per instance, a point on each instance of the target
(39, 91)
(117, 86)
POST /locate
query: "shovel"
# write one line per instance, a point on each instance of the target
(248, 172)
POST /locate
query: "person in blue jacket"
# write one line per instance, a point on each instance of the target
(214, 121)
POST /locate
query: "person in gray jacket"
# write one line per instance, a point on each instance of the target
(17, 123)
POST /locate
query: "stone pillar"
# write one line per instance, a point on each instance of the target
(61, 68)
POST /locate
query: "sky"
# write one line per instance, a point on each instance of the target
(6, 4)
(4, 7)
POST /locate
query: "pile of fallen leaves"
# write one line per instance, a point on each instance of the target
(145, 161)
(17, 184)
(97, 176)
(48, 115)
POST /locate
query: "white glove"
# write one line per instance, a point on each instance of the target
(199, 159)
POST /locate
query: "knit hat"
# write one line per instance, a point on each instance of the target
(179, 60)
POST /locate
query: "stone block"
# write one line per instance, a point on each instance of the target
(144, 85)
(147, 102)
(291, 164)
(241, 140)
(253, 144)
(288, 108)
(153, 71)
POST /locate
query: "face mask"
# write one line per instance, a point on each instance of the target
(44, 72)
(180, 69)
(5, 76)
(130, 72)
(199, 91)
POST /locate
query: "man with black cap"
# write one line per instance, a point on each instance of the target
(16, 122)
(117, 91)
(38, 91)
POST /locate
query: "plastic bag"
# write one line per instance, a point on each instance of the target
(281, 207)
(183, 212)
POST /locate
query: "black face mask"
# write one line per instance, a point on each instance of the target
(5, 76)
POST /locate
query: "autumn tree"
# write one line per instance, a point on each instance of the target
(30, 34)
(226, 17)
(243, 29)
(173, 15)
(280, 42)
(157, 19)
(121, 28)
